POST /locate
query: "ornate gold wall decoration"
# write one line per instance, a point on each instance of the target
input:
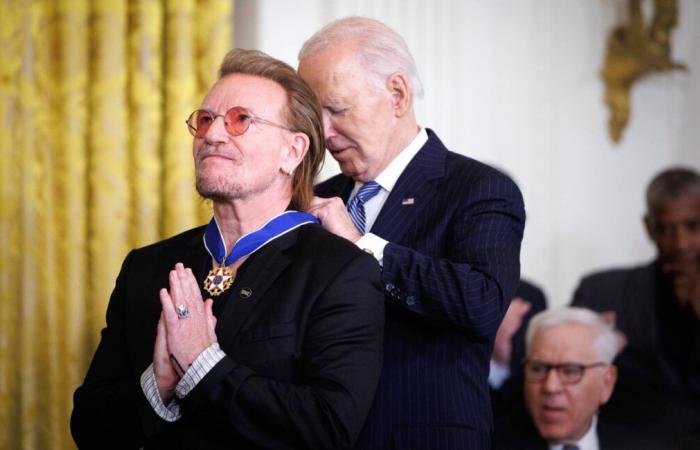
(634, 50)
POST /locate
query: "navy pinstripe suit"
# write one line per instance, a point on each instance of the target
(449, 271)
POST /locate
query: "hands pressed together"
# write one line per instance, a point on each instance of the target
(181, 338)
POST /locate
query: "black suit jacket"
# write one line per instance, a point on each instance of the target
(303, 351)
(517, 432)
(670, 399)
(454, 227)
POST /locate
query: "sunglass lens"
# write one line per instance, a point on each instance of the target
(202, 120)
(237, 120)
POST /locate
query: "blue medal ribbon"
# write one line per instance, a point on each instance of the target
(251, 242)
(221, 278)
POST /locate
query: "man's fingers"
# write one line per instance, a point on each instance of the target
(169, 313)
(176, 292)
(211, 319)
(520, 307)
(191, 290)
(317, 203)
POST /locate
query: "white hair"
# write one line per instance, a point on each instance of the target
(380, 49)
(606, 342)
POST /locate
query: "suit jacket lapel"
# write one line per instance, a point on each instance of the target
(339, 186)
(253, 279)
(413, 190)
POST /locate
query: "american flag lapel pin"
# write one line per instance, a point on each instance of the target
(408, 201)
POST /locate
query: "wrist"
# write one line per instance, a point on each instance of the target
(166, 394)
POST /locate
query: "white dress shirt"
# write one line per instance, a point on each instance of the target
(387, 179)
(589, 441)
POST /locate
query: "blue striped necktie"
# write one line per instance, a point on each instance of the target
(356, 207)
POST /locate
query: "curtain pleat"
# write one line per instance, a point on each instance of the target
(146, 117)
(108, 158)
(180, 98)
(95, 159)
(11, 171)
(72, 293)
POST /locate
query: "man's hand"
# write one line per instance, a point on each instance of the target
(512, 321)
(334, 217)
(186, 337)
(166, 375)
(686, 282)
(610, 317)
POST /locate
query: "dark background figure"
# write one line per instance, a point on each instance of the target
(445, 228)
(509, 348)
(568, 377)
(657, 307)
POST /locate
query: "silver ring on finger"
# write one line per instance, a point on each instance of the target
(182, 312)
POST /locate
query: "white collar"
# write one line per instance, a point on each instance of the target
(387, 179)
(589, 441)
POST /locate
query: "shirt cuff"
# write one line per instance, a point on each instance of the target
(199, 368)
(498, 374)
(374, 245)
(169, 413)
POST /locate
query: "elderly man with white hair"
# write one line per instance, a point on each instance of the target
(569, 376)
(446, 230)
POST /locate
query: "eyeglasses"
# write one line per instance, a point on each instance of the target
(236, 120)
(569, 373)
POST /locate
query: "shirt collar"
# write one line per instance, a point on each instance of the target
(589, 441)
(387, 179)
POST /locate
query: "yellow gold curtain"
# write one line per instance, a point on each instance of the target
(95, 159)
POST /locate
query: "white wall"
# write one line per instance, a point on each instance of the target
(516, 83)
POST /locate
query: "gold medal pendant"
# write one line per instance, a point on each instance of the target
(218, 280)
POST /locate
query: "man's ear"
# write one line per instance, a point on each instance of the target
(609, 380)
(401, 93)
(296, 150)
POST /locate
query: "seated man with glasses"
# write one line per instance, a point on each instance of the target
(286, 351)
(569, 375)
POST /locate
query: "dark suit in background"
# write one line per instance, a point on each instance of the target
(510, 393)
(454, 227)
(659, 370)
(517, 432)
(301, 328)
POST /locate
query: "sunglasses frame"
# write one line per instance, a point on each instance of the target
(560, 369)
(252, 118)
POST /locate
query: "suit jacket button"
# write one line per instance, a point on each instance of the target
(410, 300)
(389, 287)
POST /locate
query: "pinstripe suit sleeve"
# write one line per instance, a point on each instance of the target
(469, 273)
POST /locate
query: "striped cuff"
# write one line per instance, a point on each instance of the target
(199, 368)
(169, 413)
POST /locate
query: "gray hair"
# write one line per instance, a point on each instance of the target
(606, 341)
(672, 183)
(381, 49)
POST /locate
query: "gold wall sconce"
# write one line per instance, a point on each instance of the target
(634, 50)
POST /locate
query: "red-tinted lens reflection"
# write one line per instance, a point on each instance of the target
(237, 120)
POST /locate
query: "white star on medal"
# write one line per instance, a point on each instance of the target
(218, 280)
